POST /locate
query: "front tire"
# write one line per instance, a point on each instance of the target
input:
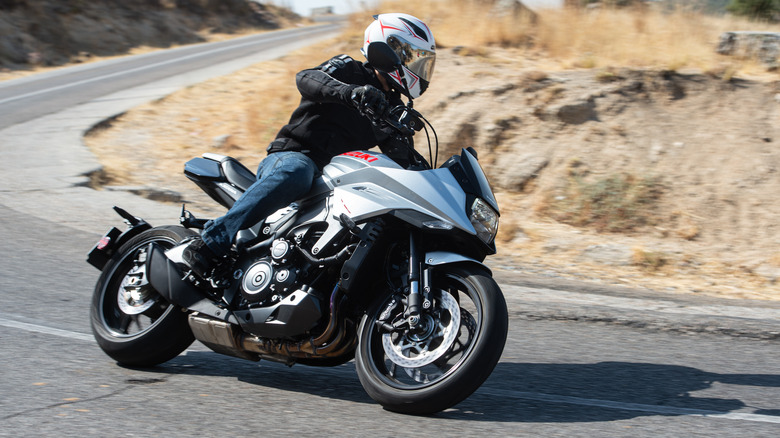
(439, 365)
(131, 322)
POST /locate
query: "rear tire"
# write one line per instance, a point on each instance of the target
(431, 370)
(131, 322)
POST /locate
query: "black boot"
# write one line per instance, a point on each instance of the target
(199, 258)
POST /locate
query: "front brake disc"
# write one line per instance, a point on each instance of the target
(413, 351)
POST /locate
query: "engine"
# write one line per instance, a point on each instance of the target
(269, 278)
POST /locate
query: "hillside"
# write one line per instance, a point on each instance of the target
(639, 158)
(50, 32)
(702, 146)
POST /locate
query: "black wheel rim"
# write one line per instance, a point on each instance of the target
(129, 307)
(404, 374)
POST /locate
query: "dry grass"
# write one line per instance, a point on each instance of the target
(637, 37)
(643, 37)
(568, 37)
(253, 104)
(249, 106)
(459, 22)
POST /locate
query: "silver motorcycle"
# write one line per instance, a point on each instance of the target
(377, 263)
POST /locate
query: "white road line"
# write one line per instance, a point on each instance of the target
(149, 66)
(45, 330)
(495, 392)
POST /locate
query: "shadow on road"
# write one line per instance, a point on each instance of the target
(669, 386)
(617, 382)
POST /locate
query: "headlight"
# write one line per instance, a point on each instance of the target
(484, 220)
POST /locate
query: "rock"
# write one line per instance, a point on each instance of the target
(502, 8)
(557, 245)
(764, 46)
(496, 132)
(576, 113)
(608, 254)
(517, 173)
(221, 141)
(769, 272)
(656, 150)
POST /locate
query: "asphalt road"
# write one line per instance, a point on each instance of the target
(581, 360)
(38, 95)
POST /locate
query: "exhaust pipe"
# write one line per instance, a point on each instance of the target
(225, 338)
(168, 280)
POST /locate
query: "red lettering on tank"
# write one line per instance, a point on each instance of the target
(362, 155)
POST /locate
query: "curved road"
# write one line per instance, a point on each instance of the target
(581, 360)
(34, 96)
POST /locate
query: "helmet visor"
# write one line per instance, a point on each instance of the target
(418, 61)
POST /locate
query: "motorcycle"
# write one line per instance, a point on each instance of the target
(377, 263)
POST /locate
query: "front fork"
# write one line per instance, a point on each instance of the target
(419, 284)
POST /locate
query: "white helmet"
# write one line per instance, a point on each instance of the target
(411, 39)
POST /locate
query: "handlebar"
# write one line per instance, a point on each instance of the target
(401, 122)
(404, 120)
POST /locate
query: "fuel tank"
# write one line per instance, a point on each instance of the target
(355, 160)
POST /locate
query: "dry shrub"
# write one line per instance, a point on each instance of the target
(648, 260)
(688, 229)
(615, 203)
(509, 230)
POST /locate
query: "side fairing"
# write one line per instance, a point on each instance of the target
(367, 185)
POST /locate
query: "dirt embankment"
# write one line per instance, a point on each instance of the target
(649, 178)
(652, 179)
(52, 32)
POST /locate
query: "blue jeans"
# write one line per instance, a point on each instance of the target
(282, 177)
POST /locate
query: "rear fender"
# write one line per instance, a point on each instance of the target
(107, 246)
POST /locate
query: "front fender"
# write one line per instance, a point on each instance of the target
(436, 258)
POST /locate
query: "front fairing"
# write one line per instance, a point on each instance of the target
(469, 174)
(367, 184)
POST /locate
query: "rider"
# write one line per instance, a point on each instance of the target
(330, 120)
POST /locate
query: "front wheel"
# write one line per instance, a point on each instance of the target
(131, 322)
(447, 356)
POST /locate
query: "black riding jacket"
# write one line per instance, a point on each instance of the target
(326, 124)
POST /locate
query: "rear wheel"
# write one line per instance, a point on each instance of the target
(131, 322)
(447, 356)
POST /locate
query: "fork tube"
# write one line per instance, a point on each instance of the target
(415, 298)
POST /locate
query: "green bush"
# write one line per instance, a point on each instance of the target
(757, 9)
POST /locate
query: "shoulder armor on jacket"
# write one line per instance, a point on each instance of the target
(336, 63)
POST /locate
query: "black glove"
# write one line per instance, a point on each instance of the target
(370, 101)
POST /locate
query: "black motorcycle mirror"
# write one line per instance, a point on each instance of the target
(383, 58)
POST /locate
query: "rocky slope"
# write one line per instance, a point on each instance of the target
(703, 146)
(53, 32)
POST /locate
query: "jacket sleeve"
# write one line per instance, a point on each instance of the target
(328, 83)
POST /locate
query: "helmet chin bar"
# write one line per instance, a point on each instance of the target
(406, 85)
(404, 88)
